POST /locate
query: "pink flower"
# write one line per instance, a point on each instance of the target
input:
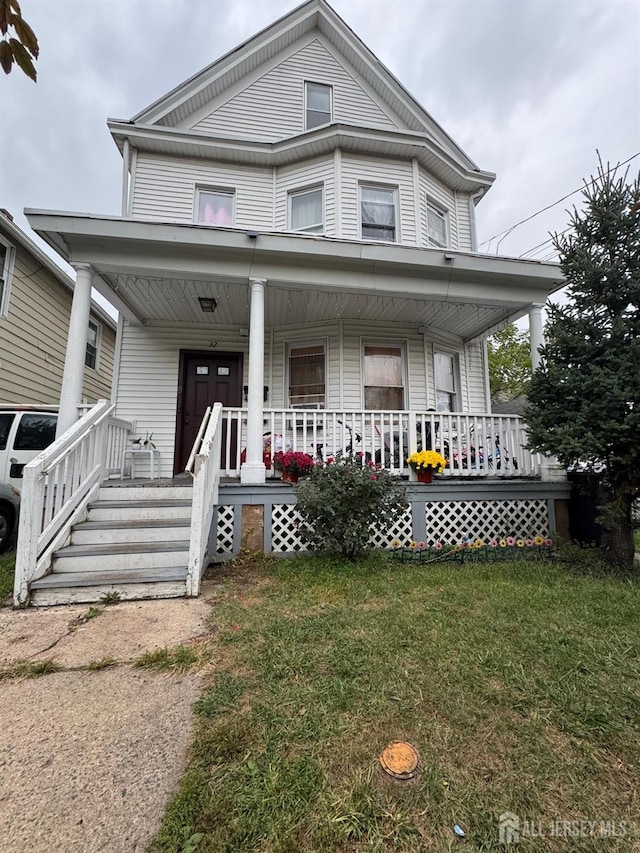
(374, 476)
(438, 546)
(421, 546)
(548, 542)
(511, 541)
(493, 543)
(529, 543)
(329, 460)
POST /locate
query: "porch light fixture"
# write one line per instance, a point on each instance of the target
(208, 304)
(422, 330)
(449, 257)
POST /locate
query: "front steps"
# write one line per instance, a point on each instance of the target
(135, 541)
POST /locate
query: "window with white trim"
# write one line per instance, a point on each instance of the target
(383, 377)
(6, 270)
(215, 207)
(378, 213)
(445, 368)
(306, 210)
(317, 98)
(436, 227)
(91, 353)
(307, 375)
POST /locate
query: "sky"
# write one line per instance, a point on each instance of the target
(528, 88)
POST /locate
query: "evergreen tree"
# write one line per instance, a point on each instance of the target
(584, 399)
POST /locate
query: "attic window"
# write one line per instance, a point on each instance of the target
(317, 105)
(215, 207)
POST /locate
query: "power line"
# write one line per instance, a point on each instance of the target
(504, 234)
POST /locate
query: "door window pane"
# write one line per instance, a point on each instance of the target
(307, 376)
(215, 208)
(91, 353)
(318, 105)
(378, 213)
(383, 384)
(35, 432)
(306, 211)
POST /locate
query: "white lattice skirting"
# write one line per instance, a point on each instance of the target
(448, 522)
(453, 521)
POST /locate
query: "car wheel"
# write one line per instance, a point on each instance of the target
(6, 528)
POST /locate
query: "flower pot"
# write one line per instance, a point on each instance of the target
(425, 476)
(288, 477)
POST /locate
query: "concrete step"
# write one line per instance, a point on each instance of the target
(132, 584)
(117, 532)
(139, 510)
(118, 557)
(143, 493)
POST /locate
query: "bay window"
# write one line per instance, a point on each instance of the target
(306, 211)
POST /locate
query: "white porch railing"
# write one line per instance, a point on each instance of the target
(58, 485)
(206, 479)
(475, 445)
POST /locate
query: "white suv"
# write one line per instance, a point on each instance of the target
(25, 431)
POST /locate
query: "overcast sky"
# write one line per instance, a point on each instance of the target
(528, 88)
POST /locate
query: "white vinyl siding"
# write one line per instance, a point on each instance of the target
(290, 179)
(33, 339)
(370, 171)
(272, 107)
(165, 189)
(475, 376)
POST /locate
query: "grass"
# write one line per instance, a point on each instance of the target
(518, 684)
(7, 570)
(177, 659)
(28, 669)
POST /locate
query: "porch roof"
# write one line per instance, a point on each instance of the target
(154, 271)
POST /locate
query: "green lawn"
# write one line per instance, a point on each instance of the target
(518, 684)
(7, 567)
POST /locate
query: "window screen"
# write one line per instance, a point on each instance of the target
(306, 211)
(383, 386)
(378, 213)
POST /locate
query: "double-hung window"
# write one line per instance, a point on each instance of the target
(317, 105)
(436, 227)
(306, 211)
(378, 213)
(91, 353)
(383, 377)
(215, 207)
(6, 269)
(445, 367)
(307, 375)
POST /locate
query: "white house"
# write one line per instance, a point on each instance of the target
(296, 243)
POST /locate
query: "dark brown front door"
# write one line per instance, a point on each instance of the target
(205, 378)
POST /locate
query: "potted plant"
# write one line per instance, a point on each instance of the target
(425, 463)
(293, 464)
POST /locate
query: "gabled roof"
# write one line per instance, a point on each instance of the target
(172, 109)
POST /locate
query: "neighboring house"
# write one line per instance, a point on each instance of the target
(35, 307)
(297, 243)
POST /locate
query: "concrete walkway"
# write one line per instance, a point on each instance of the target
(89, 760)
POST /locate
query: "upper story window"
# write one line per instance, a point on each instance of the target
(436, 227)
(383, 378)
(215, 207)
(6, 269)
(317, 104)
(306, 211)
(91, 353)
(378, 214)
(307, 375)
(445, 368)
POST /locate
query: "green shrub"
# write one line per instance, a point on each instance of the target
(344, 500)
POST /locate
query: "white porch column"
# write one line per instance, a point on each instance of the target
(535, 332)
(73, 376)
(253, 470)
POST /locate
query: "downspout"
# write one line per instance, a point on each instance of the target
(125, 178)
(472, 218)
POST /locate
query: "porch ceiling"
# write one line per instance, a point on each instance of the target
(162, 300)
(155, 272)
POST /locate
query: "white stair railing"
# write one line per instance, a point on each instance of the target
(206, 481)
(57, 487)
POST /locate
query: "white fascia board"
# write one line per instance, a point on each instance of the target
(17, 235)
(285, 151)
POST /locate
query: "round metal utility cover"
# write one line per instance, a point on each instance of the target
(400, 760)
